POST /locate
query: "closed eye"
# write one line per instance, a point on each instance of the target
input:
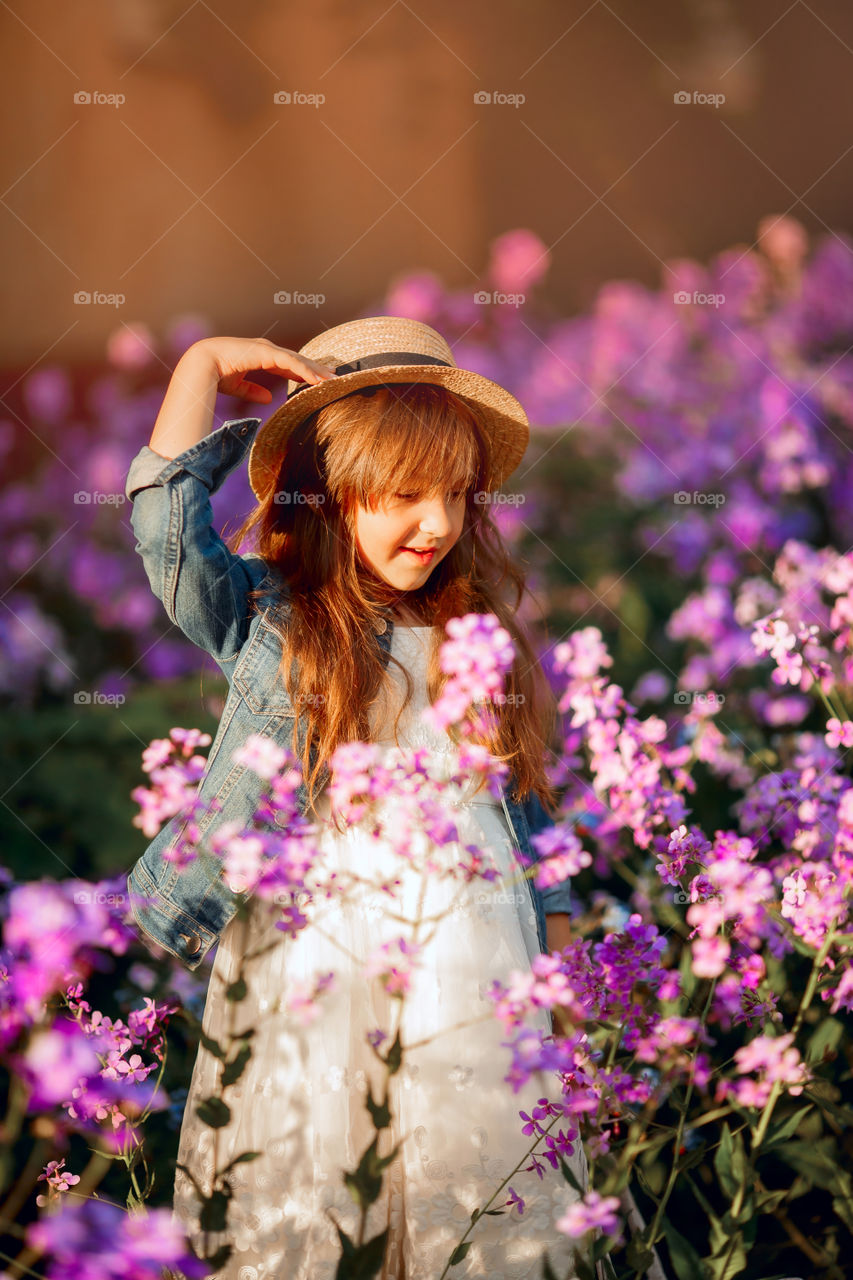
(455, 495)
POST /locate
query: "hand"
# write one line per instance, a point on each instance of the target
(233, 357)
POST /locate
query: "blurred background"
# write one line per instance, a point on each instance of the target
(637, 217)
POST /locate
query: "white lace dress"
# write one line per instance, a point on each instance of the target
(301, 1098)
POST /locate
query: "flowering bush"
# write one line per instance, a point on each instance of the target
(701, 1013)
(693, 1027)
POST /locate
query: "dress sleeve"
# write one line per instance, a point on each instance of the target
(202, 585)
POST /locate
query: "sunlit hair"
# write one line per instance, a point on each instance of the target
(412, 438)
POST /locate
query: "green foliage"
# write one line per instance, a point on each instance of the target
(69, 771)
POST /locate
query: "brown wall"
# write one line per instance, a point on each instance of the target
(200, 194)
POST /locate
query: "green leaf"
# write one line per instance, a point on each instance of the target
(802, 947)
(217, 1260)
(213, 1046)
(767, 1201)
(237, 1065)
(241, 1159)
(819, 1162)
(685, 1260)
(844, 1115)
(361, 1262)
(213, 1112)
(237, 990)
(685, 970)
(460, 1252)
(827, 1037)
(214, 1210)
(638, 1256)
(730, 1162)
(843, 1206)
(569, 1176)
(729, 1257)
(781, 1132)
(380, 1112)
(548, 1272)
(394, 1056)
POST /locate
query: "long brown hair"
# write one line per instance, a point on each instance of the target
(408, 437)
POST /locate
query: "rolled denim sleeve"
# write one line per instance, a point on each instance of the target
(557, 897)
(202, 585)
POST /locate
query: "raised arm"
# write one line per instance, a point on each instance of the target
(221, 364)
(202, 585)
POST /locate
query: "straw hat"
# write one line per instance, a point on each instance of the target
(382, 349)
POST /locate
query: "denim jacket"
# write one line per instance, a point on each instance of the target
(204, 588)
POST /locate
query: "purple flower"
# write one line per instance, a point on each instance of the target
(95, 1240)
(593, 1212)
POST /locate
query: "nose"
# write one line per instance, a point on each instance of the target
(435, 519)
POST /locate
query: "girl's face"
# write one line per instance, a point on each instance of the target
(407, 520)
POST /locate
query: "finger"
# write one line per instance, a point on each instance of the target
(300, 368)
(252, 391)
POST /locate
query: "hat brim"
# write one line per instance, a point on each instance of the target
(501, 413)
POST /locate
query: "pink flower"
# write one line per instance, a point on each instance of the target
(262, 755)
(839, 733)
(592, 1212)
(562, 855)
(709, 956)
(518, 260)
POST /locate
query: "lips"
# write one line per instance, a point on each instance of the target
(424, 556)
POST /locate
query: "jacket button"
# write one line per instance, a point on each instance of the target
(380, 626)
(193, 943)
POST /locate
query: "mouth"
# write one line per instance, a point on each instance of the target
(422, 556)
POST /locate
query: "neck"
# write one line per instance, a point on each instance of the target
(406, 617)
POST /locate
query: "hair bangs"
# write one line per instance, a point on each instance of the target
(411, 438)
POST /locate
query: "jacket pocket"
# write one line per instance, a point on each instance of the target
(256, 676)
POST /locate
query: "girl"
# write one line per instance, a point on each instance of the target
(372, 529)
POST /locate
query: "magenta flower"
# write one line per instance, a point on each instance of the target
(95, 1240)
(514, 1200)
(562, 855)
(593, 1212)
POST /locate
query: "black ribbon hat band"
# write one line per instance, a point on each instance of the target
(377, 361)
